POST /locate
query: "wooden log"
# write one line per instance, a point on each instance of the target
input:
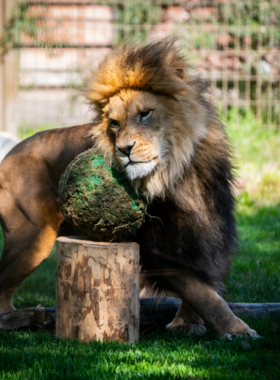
(30, 318)
(97, 290)
(152, 313)
(162, 311)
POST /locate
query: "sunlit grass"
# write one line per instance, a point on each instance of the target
(26, 130)
(256, 156)
(255, 271)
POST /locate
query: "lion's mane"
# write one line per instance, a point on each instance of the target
(191, 191)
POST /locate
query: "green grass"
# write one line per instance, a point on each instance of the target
(257, 159)
(26, 130)
(254, 146)
(255, 271)
(254, 277)
(158, 355)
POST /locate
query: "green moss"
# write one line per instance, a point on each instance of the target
(97, 198)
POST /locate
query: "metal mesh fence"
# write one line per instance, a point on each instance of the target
(233, 44)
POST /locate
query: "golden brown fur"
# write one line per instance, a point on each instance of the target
(29, 212)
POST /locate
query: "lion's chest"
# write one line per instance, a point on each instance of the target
(168, 231)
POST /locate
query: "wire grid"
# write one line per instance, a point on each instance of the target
(233, 44)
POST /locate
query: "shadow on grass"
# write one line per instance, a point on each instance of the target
(158, 355)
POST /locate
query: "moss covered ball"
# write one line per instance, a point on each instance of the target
(98, 199)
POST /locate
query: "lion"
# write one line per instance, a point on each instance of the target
(156, 122)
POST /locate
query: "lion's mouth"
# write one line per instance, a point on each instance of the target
(139, 162)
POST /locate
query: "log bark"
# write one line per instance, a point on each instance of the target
(97, 290)
(160, 312)
(152, 313)
(30, 318)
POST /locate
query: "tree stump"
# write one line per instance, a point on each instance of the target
(97, 290)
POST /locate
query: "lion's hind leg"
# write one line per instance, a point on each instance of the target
(28, 242)
(21, 261)
(188, 321)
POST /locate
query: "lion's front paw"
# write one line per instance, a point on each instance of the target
(187, 328)
(247, 333)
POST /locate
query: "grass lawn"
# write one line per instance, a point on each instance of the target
(254, 277)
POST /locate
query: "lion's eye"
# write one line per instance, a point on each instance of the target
(144, 115)
(114, 123)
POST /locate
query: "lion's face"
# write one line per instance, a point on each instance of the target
(151, 136)
(137, 122)
(150, 114)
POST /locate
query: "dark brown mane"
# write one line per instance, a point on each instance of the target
(195, 225)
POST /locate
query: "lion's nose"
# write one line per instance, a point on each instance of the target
(126, 150)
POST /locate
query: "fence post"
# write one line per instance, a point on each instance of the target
(8, 77)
